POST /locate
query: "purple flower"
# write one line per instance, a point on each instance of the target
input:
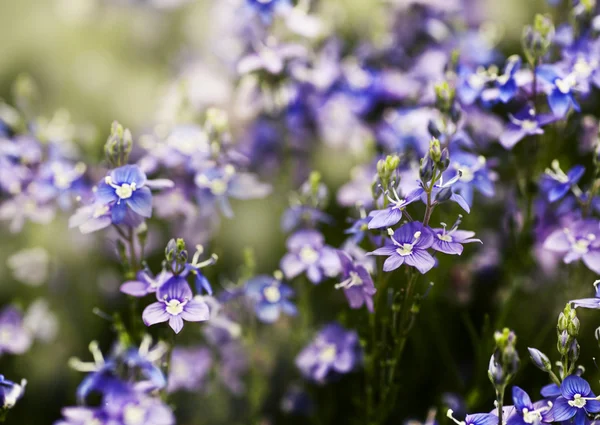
(125, 188)
(333, 351)
(93, 217)
(593, 303)
(579, 241)
(220, 183)
(450, 242)
(528, 413)
(14, 338)
(475, 419)
(121, 407)
(560, 98)
(408, 245)
(266, 8)
(444, 191)
(270, 298)
(524, 123)
(555, 184)
(357, 283)
(270, 57)
(475, 174)
(506, 84)
(308, 253)
(392, 215)
(576, 400)
(145, 283)
(175, 304)
(189, 368)
(10, 392)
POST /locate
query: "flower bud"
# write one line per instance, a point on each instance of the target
(540, 359)
(426, 169)
(562, 344)
(435, 151)
(574, 350)
(563, 322)
(433, 129)
(443, 195)
(573, 326)
(118, 145)
(444, 96)
(537, 39)
(444, 160)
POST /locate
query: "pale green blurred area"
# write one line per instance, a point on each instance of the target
(104, 60)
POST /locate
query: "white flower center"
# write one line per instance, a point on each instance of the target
(125, 190)
(100, 211)
(328, 353)
(477, 81)
(308, 255)
(444, 237)
(174, 307)
(405, 249)
(272, 294)
(556, 173)
(564, 86)
(581, 246)
(10, 398)
(5, 335)
(218, 187)
(133, 415)
(577, 401)
(582, 68)
(353, 280)
(531, 417)
(529, 125)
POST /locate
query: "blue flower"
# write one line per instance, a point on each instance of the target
(555, 184)
(506, 83)
(218, 184)
(579, 241)
(593, 303)
(451, 241)
(357, 283)
(528, 413)
(10, 392)
(524, 123)
(14, 337)
(408, 245)
(475, 174)
(175, 304)
(146, 283)
(393, 214)
(576, 400)
(561, 97)
(271, 298)
(308, 253)
(125, 188)
(474, 419)
(189, 368)
(266, 8)
(334, 351)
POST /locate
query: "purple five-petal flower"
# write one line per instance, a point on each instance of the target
(123, 188)
(408, 245)
(357, 283)
(308, 253)
(576, 400)
(175, 304)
